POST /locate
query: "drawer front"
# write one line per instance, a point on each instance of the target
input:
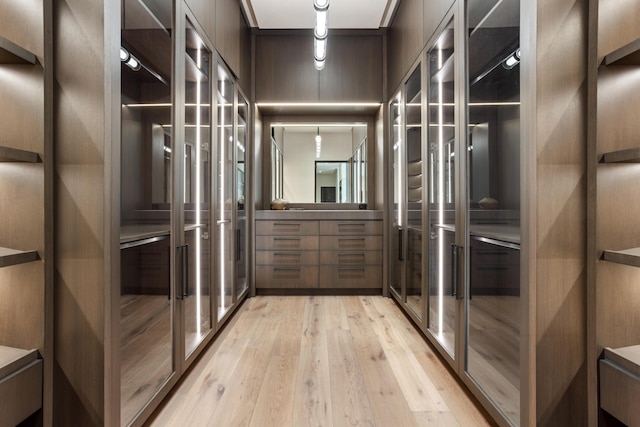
(286, 228)
(369, 277)
(276, 258)
(358, 228)
(287, 243)
(351, 243)
(351, 257)
(283, 277)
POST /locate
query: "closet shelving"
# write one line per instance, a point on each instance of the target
(628, 55)
(12, 54)
(21, 371)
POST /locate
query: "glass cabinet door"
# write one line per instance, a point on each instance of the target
(197, 191)
(146, 241)
(241, 193)
(413, 179)
(442, 308)
(397, 253)
(493, 176)
(225, 232)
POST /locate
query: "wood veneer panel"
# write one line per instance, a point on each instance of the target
(204, 12)
(617, 24)
(22, 23)
(228, 32)
(406, 40)
(284, 69)
(353, 70)
(558, 195)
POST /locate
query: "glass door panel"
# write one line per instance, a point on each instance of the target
(197, 190)
(493, 177)
(397, 252)
(442, 219)
(146, 241)
(413, 109)
(241, 193)
(224, 247)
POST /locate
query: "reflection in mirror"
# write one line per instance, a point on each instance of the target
(300, 157)
(332, 182)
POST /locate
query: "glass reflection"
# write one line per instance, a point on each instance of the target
(225, 234)
(442, 237)
(146, 333)
(413, 91)
(493, 151)
(197, 188)
(241, 193)
(397, 247)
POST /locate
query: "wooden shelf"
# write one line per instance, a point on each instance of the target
(632, 155)
(627, 257)
(10, 257)
(15, 155)
(626, 55)
(627, 357)
(11, 53)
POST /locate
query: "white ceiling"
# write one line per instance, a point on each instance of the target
(299, 14)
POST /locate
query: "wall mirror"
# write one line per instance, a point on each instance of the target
(319, 162)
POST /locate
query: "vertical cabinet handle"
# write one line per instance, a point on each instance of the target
(183, 271)
(454, 270)
(238, 248)
(456, 275)
(400, 246)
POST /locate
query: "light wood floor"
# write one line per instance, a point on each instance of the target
(321, 361)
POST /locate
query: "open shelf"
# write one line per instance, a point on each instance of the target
(631, 155)
(10, 257)
(15, 155)
(11, 53)
(626, 55)
(627, 257)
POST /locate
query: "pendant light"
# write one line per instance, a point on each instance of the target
(320, 33)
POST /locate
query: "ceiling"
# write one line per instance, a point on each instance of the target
(299, 14)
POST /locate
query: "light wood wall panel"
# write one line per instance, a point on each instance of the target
(22, 23)
(617, 24)
(228, 32)
(82, 101)
(559, 199)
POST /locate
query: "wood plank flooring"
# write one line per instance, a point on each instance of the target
(319, 361)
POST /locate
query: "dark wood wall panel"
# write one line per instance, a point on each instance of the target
(205, 13)
(406, 40)
(434, 12)
(353, 71)
(228, 32)
(284, 69)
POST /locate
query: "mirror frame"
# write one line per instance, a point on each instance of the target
(322, 119)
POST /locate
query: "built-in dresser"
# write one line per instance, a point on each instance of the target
(339, 250)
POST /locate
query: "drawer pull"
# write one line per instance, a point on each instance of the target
(351, 224)
(351, 238)
(298, 254)
(351, 269)
(286, 238)
(351, 254)
(286, 268)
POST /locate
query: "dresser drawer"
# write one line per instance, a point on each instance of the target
(286, 227)
(286, 258)
(369, 277)
(292, 277)
(351, 243)
(358, 228)
(300, 243)
(351, 257)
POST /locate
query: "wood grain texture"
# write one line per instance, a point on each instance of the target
(405, 41)
(345, 366)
